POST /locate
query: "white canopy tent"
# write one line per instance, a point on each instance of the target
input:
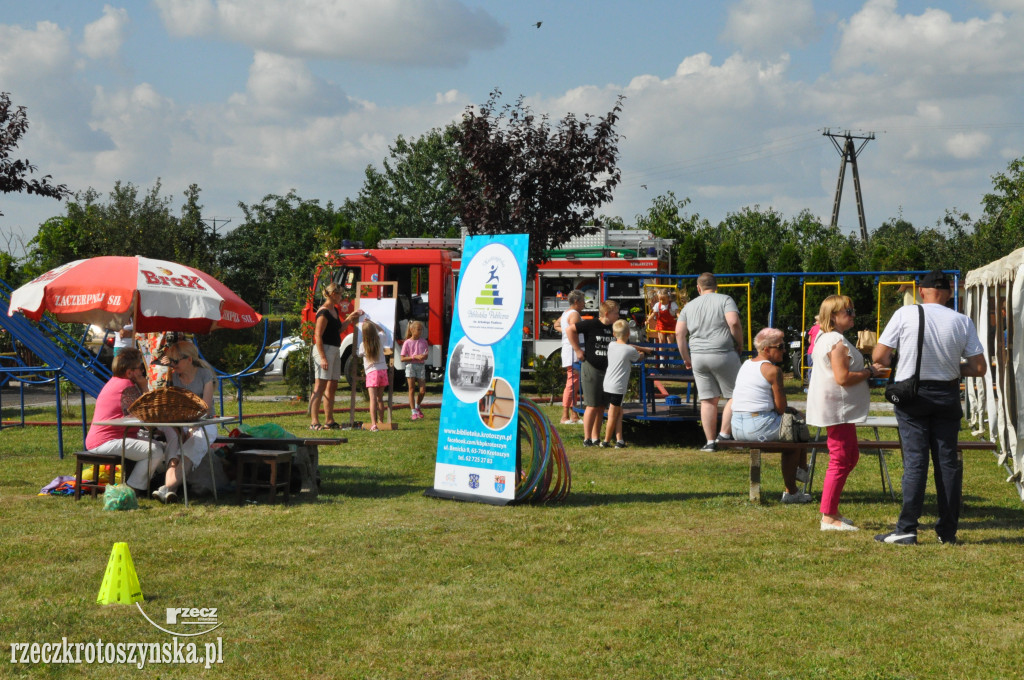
(995, 301)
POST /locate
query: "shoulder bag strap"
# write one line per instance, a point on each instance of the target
(920, 346)
(920, 340)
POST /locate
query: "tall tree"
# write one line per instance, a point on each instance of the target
(14, 172)
(271, 255)
(1000, 230)
(519, 174)
(126, 224)
(413, 194)
(667, 218)
(691, 258)
(197, 245)
(788, 296)
(760, 287)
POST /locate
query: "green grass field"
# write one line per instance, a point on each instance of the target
(656, 566)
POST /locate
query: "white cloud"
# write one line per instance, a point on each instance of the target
(930, 44)
(102, 39)
(418, 32)
(37, 67)
(968, 145)
(26, 56)
(770, 27)
(283, 86)
(188, 17)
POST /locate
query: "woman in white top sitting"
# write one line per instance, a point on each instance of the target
(758, 402)
(838, 397)
(189, 372)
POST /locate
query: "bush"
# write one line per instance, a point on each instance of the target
(548, 376)
(298, 374)
(235, 357)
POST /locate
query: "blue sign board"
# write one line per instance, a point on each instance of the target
(476, 442)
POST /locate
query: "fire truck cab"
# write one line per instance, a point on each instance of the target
(426, 269)
(424, 292)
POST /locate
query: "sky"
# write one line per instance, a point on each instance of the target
(726, 102)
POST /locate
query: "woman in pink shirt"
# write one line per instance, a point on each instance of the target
(127, 385)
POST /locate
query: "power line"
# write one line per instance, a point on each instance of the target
(721, 160)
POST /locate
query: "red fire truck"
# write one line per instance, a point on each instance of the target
(426, 272)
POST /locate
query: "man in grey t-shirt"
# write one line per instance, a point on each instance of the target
(710, 336)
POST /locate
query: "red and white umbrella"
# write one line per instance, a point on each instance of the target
(156, 294)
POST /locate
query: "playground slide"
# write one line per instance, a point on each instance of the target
(48, 342)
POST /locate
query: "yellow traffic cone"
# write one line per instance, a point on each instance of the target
(120, 582)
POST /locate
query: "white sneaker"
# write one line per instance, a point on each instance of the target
(798, 497)
(802, 475)
(842, 526)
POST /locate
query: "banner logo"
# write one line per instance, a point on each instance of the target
(487, 308)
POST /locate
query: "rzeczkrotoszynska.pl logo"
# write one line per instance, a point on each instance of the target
(194, 620)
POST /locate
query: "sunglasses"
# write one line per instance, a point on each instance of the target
(776, 346)
(175, 362)
(850, 311)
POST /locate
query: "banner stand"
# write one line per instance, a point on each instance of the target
(478, 437)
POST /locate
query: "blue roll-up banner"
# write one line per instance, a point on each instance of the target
(476, 441)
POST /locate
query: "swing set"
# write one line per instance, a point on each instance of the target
(656, 404)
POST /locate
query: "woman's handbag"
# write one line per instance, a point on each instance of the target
(905, 391)
(793, 429)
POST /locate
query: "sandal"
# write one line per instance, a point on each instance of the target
(333, 425)
(317, 427)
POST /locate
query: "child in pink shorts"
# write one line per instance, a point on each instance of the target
(376, 368)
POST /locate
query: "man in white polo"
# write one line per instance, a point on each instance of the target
(930, 423)
(710, 337)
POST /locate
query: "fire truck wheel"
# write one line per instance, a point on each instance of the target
(347, 367)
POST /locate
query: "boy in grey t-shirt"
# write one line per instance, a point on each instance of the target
(621, 356)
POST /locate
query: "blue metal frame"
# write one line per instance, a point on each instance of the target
(236, 378)
(916, 273)
(653, 366)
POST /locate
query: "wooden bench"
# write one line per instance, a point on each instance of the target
(307, 454)
(755, 450)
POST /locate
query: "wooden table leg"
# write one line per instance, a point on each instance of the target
(288, 486)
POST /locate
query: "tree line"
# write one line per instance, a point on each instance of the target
(501, 169)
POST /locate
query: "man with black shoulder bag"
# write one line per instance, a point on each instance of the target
(932, 339)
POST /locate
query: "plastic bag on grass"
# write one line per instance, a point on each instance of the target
(120, 497)
(268, 430)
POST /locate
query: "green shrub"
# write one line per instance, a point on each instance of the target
(548, 376)
(235, 357)
(297, 374)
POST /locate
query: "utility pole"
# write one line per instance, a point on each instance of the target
(215, 243)
(223, 220)
(849, 153)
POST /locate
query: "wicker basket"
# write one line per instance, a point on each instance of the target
(168, 405)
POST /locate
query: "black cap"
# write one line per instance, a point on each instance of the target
(935, 279)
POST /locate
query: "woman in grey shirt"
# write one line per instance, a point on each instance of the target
(191, 373)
